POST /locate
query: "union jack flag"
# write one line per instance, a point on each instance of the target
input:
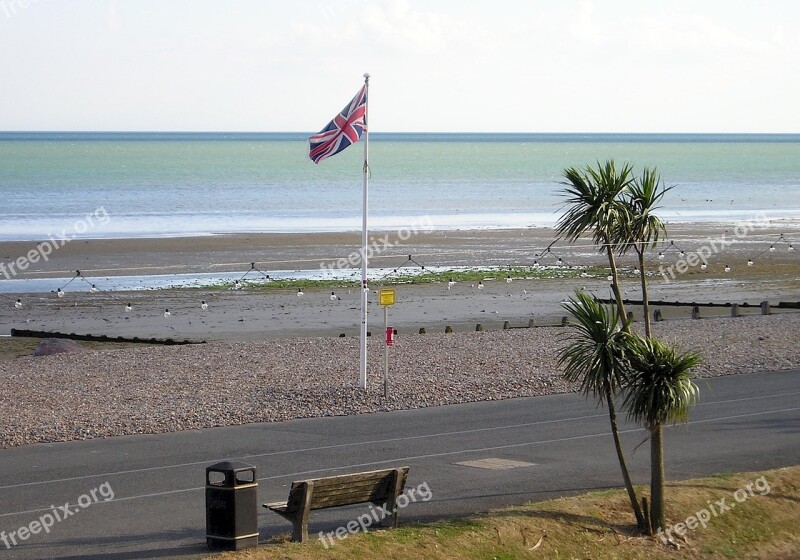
(345, 129)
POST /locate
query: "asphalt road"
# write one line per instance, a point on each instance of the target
(749, 422)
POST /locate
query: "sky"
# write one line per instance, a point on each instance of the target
(436, 65)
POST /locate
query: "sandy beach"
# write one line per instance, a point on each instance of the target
(272, 355)
(265, 312)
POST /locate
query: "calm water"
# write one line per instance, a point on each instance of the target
(155, 184)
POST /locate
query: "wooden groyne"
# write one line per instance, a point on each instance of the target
(102, 338)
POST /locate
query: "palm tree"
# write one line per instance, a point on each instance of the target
(659, 391)
(643, 229)
(595, 358)
(594, 205)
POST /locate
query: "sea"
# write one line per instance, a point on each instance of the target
(188, 184)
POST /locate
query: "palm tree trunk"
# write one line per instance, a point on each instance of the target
(612, 262)
(612, 415)
(645, 294)
(656, 477)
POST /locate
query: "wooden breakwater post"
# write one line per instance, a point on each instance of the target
(479, 327)
(734, 310)
(630, 316)
(765, 308)
(422, 330)
(531, 323)
(657, 316)
(564, 321)
(448, 329)
(696, 312)
(506, 325)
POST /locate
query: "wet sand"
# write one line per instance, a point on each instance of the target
(279, 313)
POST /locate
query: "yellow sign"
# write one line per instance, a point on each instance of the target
(386, 297)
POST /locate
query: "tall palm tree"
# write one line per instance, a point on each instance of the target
(594, 206)
(644, 227)
(595, 358)
(659, 391)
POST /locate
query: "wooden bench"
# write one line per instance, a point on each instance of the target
(381, 488)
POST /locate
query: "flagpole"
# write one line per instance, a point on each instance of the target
(362, 381)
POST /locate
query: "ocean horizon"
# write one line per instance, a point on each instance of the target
(158, 184)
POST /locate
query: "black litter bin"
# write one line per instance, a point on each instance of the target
(231, 506)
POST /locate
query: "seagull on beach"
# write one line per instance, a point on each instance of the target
(167, 314)
(508, 279)
(203, 305)
(480, 284)
(93, 289)
(299, 292)
(128, 308)
(18, 304)
(59, 293)
(450, 283)
(237, 285)
(334, 297)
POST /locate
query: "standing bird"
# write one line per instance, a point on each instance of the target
(167, 314)
(203, 305)
(508, 279)
(333, 297)
(128, 308)
(450, 283)
(93, 289)
(18, 304)
(59, 293)
(480, 284)
(299, 292)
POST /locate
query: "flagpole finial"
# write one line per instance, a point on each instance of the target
(366, 76)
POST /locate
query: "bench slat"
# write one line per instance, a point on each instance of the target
(349, 478)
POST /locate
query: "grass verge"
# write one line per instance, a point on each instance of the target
(594, 526)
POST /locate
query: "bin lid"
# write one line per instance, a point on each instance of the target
(228, 466)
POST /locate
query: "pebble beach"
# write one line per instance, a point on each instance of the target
(150, 390)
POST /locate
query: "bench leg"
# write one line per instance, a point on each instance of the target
(396, 489)
(300, 522)
(300, 530)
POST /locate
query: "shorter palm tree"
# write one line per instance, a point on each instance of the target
(595, 358)
(659, 390)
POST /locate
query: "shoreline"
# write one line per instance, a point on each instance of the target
(275, 311)
(228, 252)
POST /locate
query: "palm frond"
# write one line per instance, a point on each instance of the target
(642, 198)
(660, 389)
(593, 202)
(595, 353)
